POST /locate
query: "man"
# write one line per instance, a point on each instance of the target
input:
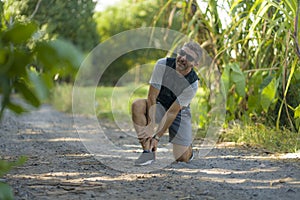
(173, 84)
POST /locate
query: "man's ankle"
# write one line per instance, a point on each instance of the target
(145, 142)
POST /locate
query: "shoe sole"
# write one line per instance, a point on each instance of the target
(192, 157)
(145, 163)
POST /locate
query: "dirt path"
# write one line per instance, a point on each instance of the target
(60, 167)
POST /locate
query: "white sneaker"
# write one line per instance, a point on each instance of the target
(146, 158)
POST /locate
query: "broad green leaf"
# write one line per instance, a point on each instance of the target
(268, 94)
(5, 166)
(238, 77)
(226, 78)
(231, 106)
(6, 192)
(67, 52)
(39, 85)
(15, 108)
(20, 32)
(266, 82)
(27, 93)
(58, 53)
(3, 56)
(4, 85)
(253, 88)
(19, 64)
(255, 81)
(47, 55)
(297, 75)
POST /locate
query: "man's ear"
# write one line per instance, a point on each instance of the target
(196, 64)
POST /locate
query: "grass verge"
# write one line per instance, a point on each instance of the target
(112, 102)
(261, 136)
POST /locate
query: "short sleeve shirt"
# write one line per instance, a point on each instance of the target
(164, 75)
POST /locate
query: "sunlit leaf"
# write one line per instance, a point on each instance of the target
(297, 122)
(297, 112)
(268, 94)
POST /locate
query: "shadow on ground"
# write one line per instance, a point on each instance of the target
(59, 166)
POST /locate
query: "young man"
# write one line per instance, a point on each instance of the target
(173, 84)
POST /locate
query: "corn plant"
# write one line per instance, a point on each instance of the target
(257, 53)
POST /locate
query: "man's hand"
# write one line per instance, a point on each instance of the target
(153, 144)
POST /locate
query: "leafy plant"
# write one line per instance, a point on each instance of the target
(5, 166)
(257, 50)
(29, 66)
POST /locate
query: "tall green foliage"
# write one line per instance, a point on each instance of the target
(256, 52)
(266, 52)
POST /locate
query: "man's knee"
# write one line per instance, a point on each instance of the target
(138, 106)
(182, 153)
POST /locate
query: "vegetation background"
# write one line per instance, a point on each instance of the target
(255, 44)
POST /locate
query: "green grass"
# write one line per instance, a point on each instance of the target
(108, 100)
(261, 136)
(61, 98)
(114, 103)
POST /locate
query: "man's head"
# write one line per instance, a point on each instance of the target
(188, 56)
(196, 48)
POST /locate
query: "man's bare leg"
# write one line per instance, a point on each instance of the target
(139, 118)
(182, 153)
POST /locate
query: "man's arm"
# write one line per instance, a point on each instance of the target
(165, 123)
(151, 106)
(168, 119)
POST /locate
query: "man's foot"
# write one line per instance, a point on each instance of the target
(192, 157)
(146, 158)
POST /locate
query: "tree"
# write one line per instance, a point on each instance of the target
(29, 63)
(67, 19)
(129, 15)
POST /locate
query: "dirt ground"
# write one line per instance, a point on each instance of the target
(61, 166)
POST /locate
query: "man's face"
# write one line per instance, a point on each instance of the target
(186, 58)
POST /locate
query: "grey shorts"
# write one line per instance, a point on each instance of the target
(180, 132)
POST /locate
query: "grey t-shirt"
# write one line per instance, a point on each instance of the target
(176, 82)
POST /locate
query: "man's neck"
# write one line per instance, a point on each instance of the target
(184, 72)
